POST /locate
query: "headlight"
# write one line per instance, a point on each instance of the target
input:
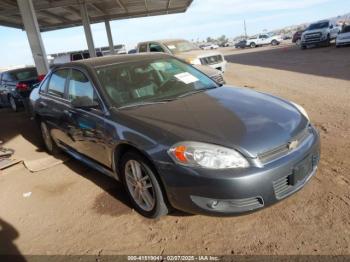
(193, 61)
(206, 156)
(301, 110)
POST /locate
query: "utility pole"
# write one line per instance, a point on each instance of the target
(245, 30)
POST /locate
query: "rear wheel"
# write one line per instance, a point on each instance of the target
(50, 145)
(274, 42)
(142, 185)
(13, 103)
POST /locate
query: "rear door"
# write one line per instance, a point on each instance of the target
(86, 126)
(53, 104)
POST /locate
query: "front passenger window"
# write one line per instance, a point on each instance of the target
(155, 48)
(80, 87)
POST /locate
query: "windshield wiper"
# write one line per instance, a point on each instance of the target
(146, 103)
(196, 92)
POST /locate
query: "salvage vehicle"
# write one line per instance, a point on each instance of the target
(241, 44)
(16, 85)
(297, 37)
(319, 33)
(175, 138)
(186, 51)
(264, 39)
(343, 37)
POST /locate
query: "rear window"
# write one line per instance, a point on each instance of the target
(25, 74)
(57, 83)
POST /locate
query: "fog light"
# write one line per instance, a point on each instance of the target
(213, 204)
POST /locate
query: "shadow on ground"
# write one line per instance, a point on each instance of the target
(112, 201)
(324, 61)
(8, 250)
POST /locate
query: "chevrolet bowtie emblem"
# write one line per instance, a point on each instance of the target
(293, 145)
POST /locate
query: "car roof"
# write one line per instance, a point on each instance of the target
(17, 69)
(114, 59)
(164, 41)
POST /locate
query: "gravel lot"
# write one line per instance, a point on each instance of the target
(76, 210)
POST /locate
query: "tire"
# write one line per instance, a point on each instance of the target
(328, 41)
(13, 103)
(142, 185)
(49, 143)
(252, 45)
(303, 47)
(274, 42)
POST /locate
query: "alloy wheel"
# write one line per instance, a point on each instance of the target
(46, 136)
(140, 185)
(13, 103)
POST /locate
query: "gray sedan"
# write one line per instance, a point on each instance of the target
(174, 137)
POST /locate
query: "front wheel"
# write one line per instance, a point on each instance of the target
(142, 185)
(252, 45)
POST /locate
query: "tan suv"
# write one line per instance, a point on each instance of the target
(187, 51)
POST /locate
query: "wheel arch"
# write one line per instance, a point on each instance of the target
(124, 147)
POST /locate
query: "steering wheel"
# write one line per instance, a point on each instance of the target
(171, 83)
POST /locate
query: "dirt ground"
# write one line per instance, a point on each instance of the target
(76, 210)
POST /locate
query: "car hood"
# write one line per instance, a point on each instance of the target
(248, 121)
(197, 54)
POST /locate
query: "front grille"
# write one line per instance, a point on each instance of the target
(284, 149)
(314, 37)
(247, 203)
(282, 187)
(218, 79)
(211, 60)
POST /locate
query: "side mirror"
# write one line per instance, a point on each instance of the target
(84, 102)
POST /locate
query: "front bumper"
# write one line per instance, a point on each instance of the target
(314, 42)
(339, 42)
(232, 192)
(220, 66)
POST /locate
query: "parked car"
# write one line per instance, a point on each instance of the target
(264, 39)
(175, 138)
(16, 85)
(185, 50)
(241, 44)
(72, 56)
(319, 33)
(209, 46)
(343, 37)
(132, 51)
(297, 37)
(213, 73)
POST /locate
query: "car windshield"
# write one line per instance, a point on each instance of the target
(151, 81)
(346, 29)
(318, 25)
(25, 74)
(180, 46)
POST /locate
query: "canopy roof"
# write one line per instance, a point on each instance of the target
(58, 14)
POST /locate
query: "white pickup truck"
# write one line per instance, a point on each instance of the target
(264, 39)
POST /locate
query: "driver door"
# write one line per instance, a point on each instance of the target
(87, 126)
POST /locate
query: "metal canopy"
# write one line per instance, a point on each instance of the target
(58, 14)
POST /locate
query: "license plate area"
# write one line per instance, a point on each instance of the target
(301, 171)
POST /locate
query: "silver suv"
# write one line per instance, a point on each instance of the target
(319, 33)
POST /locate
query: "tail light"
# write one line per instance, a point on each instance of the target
(41, 77)
(22, 86)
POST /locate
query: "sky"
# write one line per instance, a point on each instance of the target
(204, 18)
